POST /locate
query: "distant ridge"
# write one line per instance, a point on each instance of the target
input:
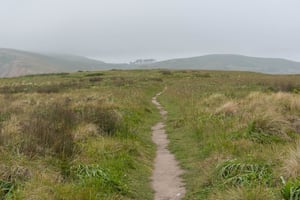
(232, 62)
(17, 63)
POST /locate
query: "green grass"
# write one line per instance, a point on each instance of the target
(230, 123)
(77, 138)
(87, 135)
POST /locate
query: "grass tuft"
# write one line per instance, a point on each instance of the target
(107, 120)
(234, 172)
(291, 190)
(48, 130)
(87, 172)
(291, 162)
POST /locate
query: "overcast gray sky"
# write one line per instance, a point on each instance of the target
(123, 30)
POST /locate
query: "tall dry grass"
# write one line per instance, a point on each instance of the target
(291, 162)
(48, 129)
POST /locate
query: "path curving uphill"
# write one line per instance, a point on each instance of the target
(166, 180)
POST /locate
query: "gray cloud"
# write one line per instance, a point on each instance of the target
(127, 29)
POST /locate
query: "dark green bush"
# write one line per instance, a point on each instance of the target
(94, 74)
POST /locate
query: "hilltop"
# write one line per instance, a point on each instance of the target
(17, 63)
(232, 62)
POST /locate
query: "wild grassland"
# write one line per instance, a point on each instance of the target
(235, 133)
(87, 135)
(77, 136)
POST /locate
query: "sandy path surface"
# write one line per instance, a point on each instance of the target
(166, 180)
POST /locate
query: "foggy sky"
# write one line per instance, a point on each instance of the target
(123, 30)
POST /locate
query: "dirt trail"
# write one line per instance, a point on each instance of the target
(166, 180)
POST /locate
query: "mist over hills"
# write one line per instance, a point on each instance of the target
(18, 63)
(232, 62)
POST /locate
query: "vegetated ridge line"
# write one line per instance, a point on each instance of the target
(166, 180)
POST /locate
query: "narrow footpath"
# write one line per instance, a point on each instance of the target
(166, 180)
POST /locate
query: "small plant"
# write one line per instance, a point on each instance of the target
(291, 189)
(239, 173)
(6, 188)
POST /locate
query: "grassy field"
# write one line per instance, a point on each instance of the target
(236, 134)
(87, 135)
(77, 136)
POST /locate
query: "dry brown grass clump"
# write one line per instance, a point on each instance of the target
(271, 124)
(14, 173)
(229, 108)
(243, 193)
(107, 120)
(291, 162)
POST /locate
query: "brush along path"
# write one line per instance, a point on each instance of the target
(166, 180)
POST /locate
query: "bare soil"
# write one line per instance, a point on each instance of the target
(166, 180)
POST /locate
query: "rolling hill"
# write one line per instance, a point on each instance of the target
(231, 62)
(17, 63)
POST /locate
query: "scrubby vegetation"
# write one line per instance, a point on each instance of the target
(235, 133)
(77, 136)
(87, 135)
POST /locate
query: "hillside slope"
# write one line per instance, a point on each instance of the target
(17, 63)
(231, 62)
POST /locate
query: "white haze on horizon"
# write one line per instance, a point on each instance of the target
(125, 30)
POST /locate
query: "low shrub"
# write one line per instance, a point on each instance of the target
(121, 81)
(48, 129)
(107, 120)
(94, 74)
(284, 86)
(156, 79)
(96, 79)
(15, 89)
(202, 75)
(269, 128)
(165, 72)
